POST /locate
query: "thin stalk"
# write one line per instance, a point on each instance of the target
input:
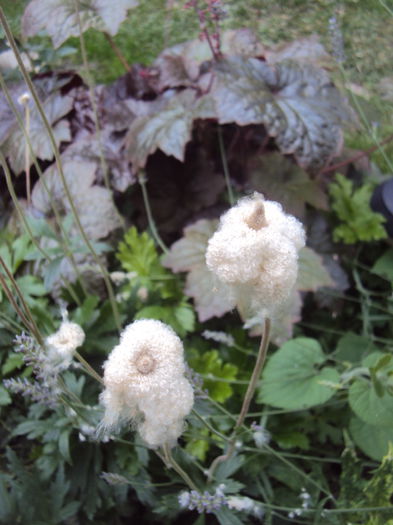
(117, 51)
(15, 305)
(91, 93)
(25, 102)
(26, 309)
(173, 463)
(89, 369)
(152, 224)
(17, 205)
(209, 426)
(63, 238)
(247, 399)
(12, 324)
(225, 166)
(22, 217)
(56, 152)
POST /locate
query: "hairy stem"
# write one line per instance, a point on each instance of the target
(247, 398)
(173, 463)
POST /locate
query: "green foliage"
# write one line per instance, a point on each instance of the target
(295, 378)
(383, 266)
(139, 257)
(371, 395)
(273, 113)
(212, 368)
(352, 206)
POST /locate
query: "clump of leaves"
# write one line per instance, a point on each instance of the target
(212, 368)
(158, 290)
(352, 206)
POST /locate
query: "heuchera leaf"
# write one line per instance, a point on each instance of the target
(59, 17)
(308, 50)
(55, 107)
(294, 377)
(168, 129)
(297, 103)
(188, 254)
(94, 204)
(280, 179)
(312, 273)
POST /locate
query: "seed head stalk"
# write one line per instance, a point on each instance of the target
(247, 398)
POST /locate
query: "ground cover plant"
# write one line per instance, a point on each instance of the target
(196, 289)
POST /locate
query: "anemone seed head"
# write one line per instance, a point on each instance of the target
(256, 248)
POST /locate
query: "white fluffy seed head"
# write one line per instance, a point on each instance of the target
(66, 340)
(255, 249)
(148, 357)
(144, 383)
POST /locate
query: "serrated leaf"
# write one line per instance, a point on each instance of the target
(297, 103)
(308, 50)
(210, 364)
(294, 377)
(94, 204)
(359, 222)
(168, 314)
(55, 107)
(60, 19)
(137, 253)
(168, 129)
(281, 180)
(179, 65)
(312, 273)
(212, 299)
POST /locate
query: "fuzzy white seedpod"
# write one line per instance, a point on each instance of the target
(145, 384)
(255, 252)
(62, 344)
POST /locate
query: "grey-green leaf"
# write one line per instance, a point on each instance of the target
(60, 19)
(297, 103)
(294, 377)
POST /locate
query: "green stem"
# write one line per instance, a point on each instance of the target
(209, 426)
(26, 310)
(63, 239)
(152, 224)
(91, 94)
(173, 463)
(225, 167)
(56, 153)
(89, 369)
(247, 399)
